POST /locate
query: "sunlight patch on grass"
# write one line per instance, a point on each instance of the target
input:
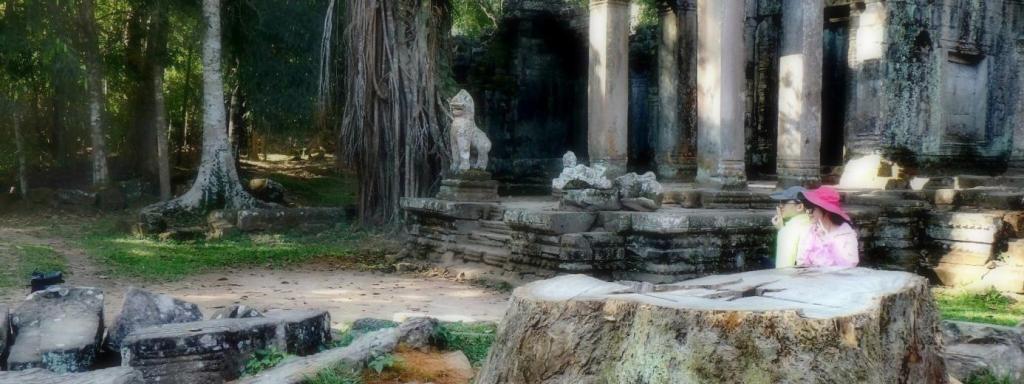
(26, 259)
(151, 259)
(990, 307)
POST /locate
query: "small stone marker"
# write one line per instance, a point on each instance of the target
(58, 328)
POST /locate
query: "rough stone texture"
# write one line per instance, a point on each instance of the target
(466, 138)
(58, 329)
(582, 177)
(870, 172)
(197, 353)
(268, 190)
(591, 200)
(550, 222)
(640, 192)
(119, 375)
(289, 219)
(471, 189)
(608, 90)
(236, 311)
(221, 224)
(720, 101)
(972, 348)
(775, 326)
(142, 309)
(800, 89)
(5, 335)
(303, 332)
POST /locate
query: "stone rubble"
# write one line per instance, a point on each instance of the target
(142, 309)
(119, 375)
(972, 348)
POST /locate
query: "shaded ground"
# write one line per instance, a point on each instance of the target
(330, 280)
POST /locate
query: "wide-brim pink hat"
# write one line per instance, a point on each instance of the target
(828, 199)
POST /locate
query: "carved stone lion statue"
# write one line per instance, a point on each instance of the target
(466, 138)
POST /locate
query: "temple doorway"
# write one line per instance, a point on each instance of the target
(834, 84)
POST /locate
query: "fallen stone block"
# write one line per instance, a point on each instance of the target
(58, 329)
(550, 222)
(475, 188)
(303, 332)
(965, 258)
(947, 196)
(972, 349)
(142, 309)
(640, 192)
(212, 351)
(992, 198)
(772, 326)
(119, 375)
(872, 172)
(1014, 254)
(451, 209)
(975, 227)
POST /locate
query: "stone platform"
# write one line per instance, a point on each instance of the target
(700, 232)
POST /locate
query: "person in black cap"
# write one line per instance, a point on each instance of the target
(793, 223)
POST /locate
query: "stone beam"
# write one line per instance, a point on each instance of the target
(799, 140)
(720, 97)
(608, 90)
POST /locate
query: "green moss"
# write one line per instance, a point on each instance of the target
(473, 339)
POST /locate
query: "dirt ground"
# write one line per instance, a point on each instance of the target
(346, 294)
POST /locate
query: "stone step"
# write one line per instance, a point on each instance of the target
(305, 331)
(1004, 279)
(957, 275)
(965, 258)
(58, 329)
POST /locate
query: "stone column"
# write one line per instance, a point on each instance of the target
(608, 90)
(720, 94)
(865, 111)
(799, 140)
(667, 151)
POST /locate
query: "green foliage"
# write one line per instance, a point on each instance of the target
(263, 359)
(381, 362)
(23, 259)
(340, 374)
(988, 378)
(988, 307)
(321, 191)
(473, 339)
(475, 18)
(150, 259)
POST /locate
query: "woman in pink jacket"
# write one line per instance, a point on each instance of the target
(832, 242)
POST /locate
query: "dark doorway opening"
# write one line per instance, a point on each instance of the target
(834, 70)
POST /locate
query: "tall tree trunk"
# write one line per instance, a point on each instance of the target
(138, 52)
(94, 73)
(393, 126)
(158, 34)
(19, 148)
(187, 90)
(217, 184)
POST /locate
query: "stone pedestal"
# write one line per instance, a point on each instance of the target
(473, 185)
(608, 90)
(799, 144)
(720, 97)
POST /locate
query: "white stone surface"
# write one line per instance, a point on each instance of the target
(466, 138)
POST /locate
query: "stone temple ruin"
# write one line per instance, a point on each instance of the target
(915, 109)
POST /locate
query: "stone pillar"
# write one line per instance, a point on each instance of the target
(608, 90)
(799, 140)
(721, 93)
(865, 110)
(669, 140)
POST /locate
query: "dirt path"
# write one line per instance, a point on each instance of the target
(348, 295)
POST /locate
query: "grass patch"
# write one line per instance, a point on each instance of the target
(988, 378)
(340, 374)
(473, 339)
(24, 259)
(150, 259)
(263, 360)
(321, 191)
(989, 307)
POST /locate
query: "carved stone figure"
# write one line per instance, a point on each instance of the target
(466, 138)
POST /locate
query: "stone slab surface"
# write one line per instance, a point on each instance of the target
(142, 309)
(551, 222)
(590, 200)
(119, 375)
(210, 351)
(58, 329)
(449, 209)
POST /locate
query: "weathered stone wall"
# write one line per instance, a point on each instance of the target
(933, 83)
(762, 33)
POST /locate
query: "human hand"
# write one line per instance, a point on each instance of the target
(777, 219)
